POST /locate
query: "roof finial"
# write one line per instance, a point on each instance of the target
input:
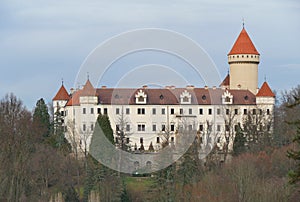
(88, 76)
(243, 23)
(62, 81)
(265, 78)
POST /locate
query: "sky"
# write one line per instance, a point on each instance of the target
(43, 42)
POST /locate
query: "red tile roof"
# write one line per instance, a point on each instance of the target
(200, 96)
(62, 94)
(226, 81)
(88, 89)
(243, 45)
(265, 91)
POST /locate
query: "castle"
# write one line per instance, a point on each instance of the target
(150, 113)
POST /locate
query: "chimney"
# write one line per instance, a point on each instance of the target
(214, 87)
(145, 86)
(72, 90)
(190, 87)
(103, 87)
(205, 87)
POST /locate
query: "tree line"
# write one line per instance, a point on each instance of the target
(38, 164)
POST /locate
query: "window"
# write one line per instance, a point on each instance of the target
(227, 128)
(153, 111)
(218, 128)
(127, 111)
(201, 127)
(163, 111)
(218, 111)
(157, 139)
(172, 139)
(127, 140)
(227, 99)
(253, 111)
(92, 127)
(99, 110)
(84, 110)
(236, 111)
(209, 127)
(154, 127)
(190, 111)
(127, 127)
(172, 111)
(190, 127)
(141, 140)
(117, 127)
(181, 111)
(141, 99)
(236, 127)
(260, 112)
(185, 99)
(105, 111)
(84, 127)
(163, 127)
(201, 111)
(172, 127)
(268, 111)
(141, 127)
(117, 110)
(227, 111)
(141, 110)
(245, 111)
(210, 111)
(92, 110)
(62, 113)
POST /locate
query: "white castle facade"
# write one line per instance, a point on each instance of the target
(148, 114)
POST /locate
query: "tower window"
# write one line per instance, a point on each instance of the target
(127, 111)
(163, 111)
(190, 111)
(84, 110)
(245, 111)
(210, 111)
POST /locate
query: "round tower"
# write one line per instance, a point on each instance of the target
(243, 61)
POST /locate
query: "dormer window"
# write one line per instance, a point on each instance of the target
(140, 97)
(185, 97)
(227, 98)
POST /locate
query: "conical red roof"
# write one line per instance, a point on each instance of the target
(265, 91)
(226, 81)
(243, 45)
(88, 89)
(62, 94)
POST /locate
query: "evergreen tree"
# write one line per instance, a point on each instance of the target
(239, 142)
(41, 117)
(295, 154)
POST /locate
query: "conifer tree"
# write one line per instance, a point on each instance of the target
(295, 154)
(239, 142)
(41, 117)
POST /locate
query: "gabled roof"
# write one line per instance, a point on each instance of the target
(226, 81)
(243, 45)
(265, 91)
(62, 94)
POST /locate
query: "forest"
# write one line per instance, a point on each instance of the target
(38, 163)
